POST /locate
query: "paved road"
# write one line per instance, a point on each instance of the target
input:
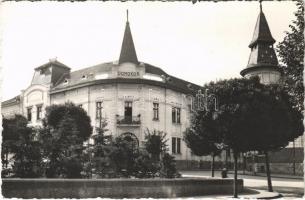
(290, 188)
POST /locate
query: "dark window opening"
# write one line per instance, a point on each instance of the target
(98, 110)
(176, 145)
(156, 111)
(176, 115)
(173, 145)
(128, 111)
(39, 112)
(29, 114)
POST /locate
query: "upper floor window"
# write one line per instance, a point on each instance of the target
(156, 111)
(176, 145)
(39, 112)
(29, 114)
(176, 115)
(98, 110)
(128, 109)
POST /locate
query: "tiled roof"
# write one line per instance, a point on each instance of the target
(262, 54)
(128, 51)
(87, 75)
(54, 62)
(15, 100)
(261, 32)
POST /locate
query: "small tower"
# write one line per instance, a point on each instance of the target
(262, 61)
(128, 51)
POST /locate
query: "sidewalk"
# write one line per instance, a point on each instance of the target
(264, 175)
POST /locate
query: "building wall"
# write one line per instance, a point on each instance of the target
(11, 109)
(142, 97)
(266, 76)
(32, 97)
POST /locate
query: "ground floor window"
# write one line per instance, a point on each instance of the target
(29, 114)
(176, 145)
(39, 112)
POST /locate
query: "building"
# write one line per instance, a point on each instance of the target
(263, 62)
(132, 96)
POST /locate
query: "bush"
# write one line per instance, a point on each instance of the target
(168, 169)
(145, 165)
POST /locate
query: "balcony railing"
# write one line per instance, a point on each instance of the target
(128, 120)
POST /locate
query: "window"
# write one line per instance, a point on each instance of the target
(176, 145)
(178, 111)
(29, 114)
(176, 115)
(39, 112)
(156, 111)
(98, 110)
(128, 109)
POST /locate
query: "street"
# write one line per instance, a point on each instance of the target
(288, 187)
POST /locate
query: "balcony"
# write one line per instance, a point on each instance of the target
(128, 120)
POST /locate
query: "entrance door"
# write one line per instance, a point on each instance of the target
(128, 111)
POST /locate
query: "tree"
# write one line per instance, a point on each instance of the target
(102, 149)
(124, 154)
(254, 117)
(65, 128)
(291, 54)
(203, 136)
(10, 136)
(155, 143)
(19, 140)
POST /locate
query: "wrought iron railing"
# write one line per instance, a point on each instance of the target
(132, 120)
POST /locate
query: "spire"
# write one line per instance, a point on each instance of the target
(262, 52)
(260, 5)
(261, 32)
(128, 52)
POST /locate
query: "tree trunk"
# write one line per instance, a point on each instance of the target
(235, 175)
(268, 172)
(6, 158)
(244, 164)
(212, 164)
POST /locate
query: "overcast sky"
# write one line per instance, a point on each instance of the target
(198, 42)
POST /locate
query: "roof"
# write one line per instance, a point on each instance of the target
(86, 76)
(262, 54)
(52, 62)
(261, 31)
(128, 51)
(15, 100)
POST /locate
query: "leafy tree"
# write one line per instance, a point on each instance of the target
(18, 140)
(254, 117)
(102, 149)
(155, 143)
(203, 136)
(124, 155)
(145, 165)
(65, 128)
(169, 169)
(10, 136)
(291, 54)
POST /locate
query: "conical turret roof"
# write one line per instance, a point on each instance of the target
(261, 32)
(128, 51)
(262, 54)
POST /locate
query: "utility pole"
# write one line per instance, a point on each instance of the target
(293, 164)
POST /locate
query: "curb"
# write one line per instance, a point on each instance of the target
(272, 176)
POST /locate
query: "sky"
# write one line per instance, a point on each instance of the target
(199, 42)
